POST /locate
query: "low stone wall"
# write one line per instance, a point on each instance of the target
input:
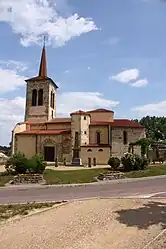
(111, 176)
(28, 179)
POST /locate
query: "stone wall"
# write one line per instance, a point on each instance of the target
(101, 154)
(133, 134)
(39, 113)
(34, 144)
(103, 134)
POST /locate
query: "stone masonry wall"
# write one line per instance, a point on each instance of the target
(133, 134)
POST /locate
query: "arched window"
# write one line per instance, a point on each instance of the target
(100, 150)
(53, 100)
(89, 150)
(40, 97)
(34, 97)
(98, 137)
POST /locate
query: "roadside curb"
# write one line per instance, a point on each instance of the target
(127, 180)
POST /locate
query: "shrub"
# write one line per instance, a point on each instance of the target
(36, 164)
(17, 163)
(140, 162)
(134, 162)
(114, 162)
(128, 161)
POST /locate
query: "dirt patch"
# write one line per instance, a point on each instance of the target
(93, 224)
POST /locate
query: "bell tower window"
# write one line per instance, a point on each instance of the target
(34, 97)
(53, 100)
(40, 97)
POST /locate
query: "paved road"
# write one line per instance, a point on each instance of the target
(54, 193)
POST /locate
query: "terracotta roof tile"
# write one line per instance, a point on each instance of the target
(44, 132)
(119, 123)
(59, 120)
(79, 112)
(100, 110)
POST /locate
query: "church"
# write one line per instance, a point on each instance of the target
(85, 135)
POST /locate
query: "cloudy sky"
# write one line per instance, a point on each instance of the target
(102, 54)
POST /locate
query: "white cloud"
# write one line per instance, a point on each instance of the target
(140, 83)
(89, 68)
(71, 101)
(10, 75)
(12, 111)
(126, 76)
(153, 109)
(34, 18)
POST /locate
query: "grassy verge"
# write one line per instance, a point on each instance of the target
(12, 210)
(88, 175)
(5, 179)
(150, 171)
(72, 176)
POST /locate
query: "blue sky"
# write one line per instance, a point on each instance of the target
(111, 55)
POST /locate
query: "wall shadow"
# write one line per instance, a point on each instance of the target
(152, 213)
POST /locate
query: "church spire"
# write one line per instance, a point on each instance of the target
(43, 63)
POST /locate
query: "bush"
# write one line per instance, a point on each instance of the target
(114, 162)
(36, 164)
(128, 161)
(17, 163)
(133, 162)
(140, 162)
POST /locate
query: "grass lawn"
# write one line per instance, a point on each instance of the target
(5, 179)
(150, 171)
(88, 175)
(72, 176)
(12, 210)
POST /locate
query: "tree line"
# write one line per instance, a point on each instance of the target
(155, 127)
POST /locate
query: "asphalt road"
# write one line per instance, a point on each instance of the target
(54, 193)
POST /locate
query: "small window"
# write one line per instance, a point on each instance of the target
(40, 97)
(84, 117)
(52, 114)
(89, 150)
(125, 137)
(34, 97)
(85, 132)
(100, 150)
(98, 137)
(53, 100)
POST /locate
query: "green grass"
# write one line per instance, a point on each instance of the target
(11, 210)
(87, 175)
(5, 179)
(150, 171)
(72, 176)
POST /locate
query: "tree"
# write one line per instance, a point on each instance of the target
(155, 127)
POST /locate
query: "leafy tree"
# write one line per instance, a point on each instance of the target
(155, 127)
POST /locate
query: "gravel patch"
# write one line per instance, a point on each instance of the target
(159, 243)
(92, 224)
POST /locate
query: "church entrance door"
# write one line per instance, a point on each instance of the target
(49, 154)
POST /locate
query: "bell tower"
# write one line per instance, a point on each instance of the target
(41, 95)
